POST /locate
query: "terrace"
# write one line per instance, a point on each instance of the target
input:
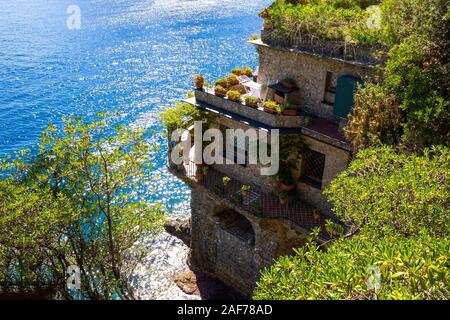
(257, 202)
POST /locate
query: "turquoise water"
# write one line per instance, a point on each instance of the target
(134, 56)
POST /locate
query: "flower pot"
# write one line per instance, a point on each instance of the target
(269, 110)
(287, 187)
(288, 85)
(252, 105)
(200, 177)
(284, 202)
(317, 215)
(245, 193)
(289, 112)
(278, 99)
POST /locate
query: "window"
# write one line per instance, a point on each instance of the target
(313, 169)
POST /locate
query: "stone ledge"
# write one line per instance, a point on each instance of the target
(327, 49)
(274, 121)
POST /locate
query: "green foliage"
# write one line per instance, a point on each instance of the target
(236, 71)
(410, 269)
(271, 105)
(410, 102)
(220, 91)
(247, 71)
(398, 207)
(234, 95)
(70, 206)
(199, 81)
(251, 100)
(180, 116)
(323, 19)
(222, 82)
(384, 191)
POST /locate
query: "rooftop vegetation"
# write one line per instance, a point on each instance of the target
(362, 22)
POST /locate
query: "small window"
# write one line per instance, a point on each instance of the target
(314, 166)
(330, 84)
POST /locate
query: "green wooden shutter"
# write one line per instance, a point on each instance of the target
(345, 90)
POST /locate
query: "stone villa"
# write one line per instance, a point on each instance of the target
(236, 233)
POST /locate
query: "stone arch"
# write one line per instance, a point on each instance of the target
(236, 224)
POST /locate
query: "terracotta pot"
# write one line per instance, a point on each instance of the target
(286, 187)
(269, 110)
(284, 202)
(288, 85)
(317, 216)
(252, 105)
(226, 183)
(278, 99)
(289, 112)
(245, 193)
(200, 177)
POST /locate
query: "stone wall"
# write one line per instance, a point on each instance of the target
(220, 253)
(336, 161)
(310, 73)
(272, 120)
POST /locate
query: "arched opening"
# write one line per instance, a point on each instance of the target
(236, 224)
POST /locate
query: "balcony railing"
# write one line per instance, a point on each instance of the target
(257, 202)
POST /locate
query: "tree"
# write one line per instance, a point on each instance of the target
(397, 205)
(74, 205)
(410, 102)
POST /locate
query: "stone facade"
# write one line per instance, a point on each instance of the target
(310, 73)
(232, 255)
(336, 161)
(272, 120)
(233, 244)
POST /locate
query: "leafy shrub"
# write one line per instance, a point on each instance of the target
(237, 71)
(223, 82)
(220, 91)
(251, 100)
(384, 191)
(199, 81)
(415, 268)
(234, 96)
(247, 71)
(233, 79)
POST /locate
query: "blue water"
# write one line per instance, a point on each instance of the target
(135, 56)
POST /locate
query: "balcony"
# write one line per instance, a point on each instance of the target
(257, 202)
(258, 114)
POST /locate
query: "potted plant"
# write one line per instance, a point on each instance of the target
(237, 71)
(256, 207)
(234, 95)
(289, 109)
(251, 101)
(247, 71)
(289, 83)
(223, 82)
(284, 198)
(233, 80)
(237, 198)
(199, 82)
(200, 175)
(245, 190)
(317, 214)
(271, 106)
(226, 181)
(205, 170)
(278, 97)
(220, 91)
(287, 183)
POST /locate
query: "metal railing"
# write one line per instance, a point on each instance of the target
(255, 201)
